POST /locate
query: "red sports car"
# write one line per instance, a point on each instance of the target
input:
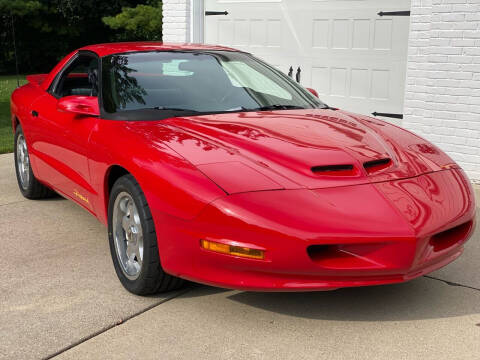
(210, 165)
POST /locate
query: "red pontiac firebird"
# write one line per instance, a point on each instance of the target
(210, 165)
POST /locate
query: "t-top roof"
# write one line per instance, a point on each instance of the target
(123, 47)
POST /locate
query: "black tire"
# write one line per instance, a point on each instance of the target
(151, 278)
(32, 188)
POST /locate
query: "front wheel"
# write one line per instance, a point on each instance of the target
(133, 241)
(29, 186)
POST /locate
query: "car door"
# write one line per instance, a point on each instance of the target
(62, 139)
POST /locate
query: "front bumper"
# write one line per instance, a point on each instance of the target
(324, 239)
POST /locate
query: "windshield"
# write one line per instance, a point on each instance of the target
(163, 84)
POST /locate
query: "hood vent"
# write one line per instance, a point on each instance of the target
(377, 165)
(334, 170)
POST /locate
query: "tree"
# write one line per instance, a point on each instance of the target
(143, 22)
(46, 30)
(18, 7)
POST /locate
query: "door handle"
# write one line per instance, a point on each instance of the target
(34, 113)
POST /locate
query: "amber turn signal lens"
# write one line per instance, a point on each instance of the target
(232, 250)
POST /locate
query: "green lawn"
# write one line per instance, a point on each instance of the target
(8, 83)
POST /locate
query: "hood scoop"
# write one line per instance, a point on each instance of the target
(377, 165)
(334, 170)
(349, 170)
(300, 148)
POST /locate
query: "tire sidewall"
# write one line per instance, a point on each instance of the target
(128, 184)
(25, 192)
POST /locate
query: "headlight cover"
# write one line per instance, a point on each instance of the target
(236, 177)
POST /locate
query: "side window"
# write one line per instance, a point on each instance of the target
(80, 78)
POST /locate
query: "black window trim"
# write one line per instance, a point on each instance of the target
(53, 85)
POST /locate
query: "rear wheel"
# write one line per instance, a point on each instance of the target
(133, 241)
(29, 186)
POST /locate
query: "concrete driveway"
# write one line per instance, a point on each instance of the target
(59, 297)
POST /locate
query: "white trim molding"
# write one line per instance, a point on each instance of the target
(197, 21)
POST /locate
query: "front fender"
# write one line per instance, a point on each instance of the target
(171, 184)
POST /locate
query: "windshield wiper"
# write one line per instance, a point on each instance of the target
(172, 109)
(277, 107)
(239, 109)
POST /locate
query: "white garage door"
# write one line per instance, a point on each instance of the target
(353, 57)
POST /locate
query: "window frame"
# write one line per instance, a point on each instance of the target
(52, 89)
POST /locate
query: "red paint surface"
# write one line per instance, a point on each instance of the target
(247, 179)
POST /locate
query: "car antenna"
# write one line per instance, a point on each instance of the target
(15, 51)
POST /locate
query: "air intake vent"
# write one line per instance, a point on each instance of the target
(377, 165)
(334, 170)
(448, 238)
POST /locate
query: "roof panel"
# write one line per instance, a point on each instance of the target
(122, 47)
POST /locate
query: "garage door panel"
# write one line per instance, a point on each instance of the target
(242, 32)
(362, 34)
(354, 58)
(257, 24)
(367, 88)
(263, 32)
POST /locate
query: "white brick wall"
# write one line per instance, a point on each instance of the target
(442, 100)
(176, 21)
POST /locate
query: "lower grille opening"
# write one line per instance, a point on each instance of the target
(319, 252)
(349, 256)
(450, 237)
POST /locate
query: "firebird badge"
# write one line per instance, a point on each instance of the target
(80, 196)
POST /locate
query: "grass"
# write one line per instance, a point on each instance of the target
(8, 83)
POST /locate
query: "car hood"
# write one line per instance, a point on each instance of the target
(311, 148)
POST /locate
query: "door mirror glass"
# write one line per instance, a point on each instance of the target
(313, 91)
(81, 105)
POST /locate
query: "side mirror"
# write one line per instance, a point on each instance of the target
(81, 105)
(313, 91)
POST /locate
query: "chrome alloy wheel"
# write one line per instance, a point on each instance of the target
(127, 235)
(23, 162)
